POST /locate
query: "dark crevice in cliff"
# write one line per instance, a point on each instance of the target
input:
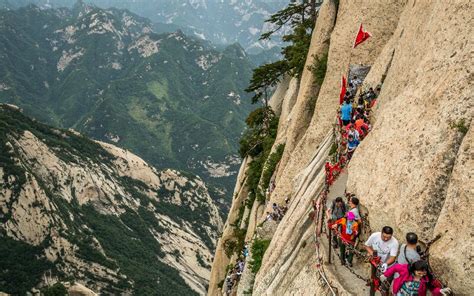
(443, 180)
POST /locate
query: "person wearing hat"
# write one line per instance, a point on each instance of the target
(347, 236)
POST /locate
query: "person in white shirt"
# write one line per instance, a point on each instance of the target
(385, 245)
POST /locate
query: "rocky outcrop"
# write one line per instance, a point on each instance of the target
(221, 259)
(80, 290)
(413, 171)
(58, 189)
(334, 33)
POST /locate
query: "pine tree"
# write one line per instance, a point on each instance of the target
(262, 123)
(301, 18)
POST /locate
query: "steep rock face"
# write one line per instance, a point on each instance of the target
(100, 214)
(335, 31)
(413, 171)
(452, 252)
(221, 259)
(417, 153)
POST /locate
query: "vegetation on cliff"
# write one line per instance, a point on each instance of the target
(259, 247)
(121, 231)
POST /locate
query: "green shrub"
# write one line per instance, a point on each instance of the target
(235, 244)
(201, 261)
(57, 289)
(22, 266)
(271, 164)
(460, 126)
(257, 142)
(318, 68)
(220, 284)
(258, 250)
(127, 238)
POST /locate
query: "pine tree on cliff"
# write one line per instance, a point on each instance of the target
(300, 17)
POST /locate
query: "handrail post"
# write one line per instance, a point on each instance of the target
(330, 246)
(373, 276)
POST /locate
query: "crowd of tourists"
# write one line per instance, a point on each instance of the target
(278, 212)
(402, 267)
(354, 115)
(234, 274)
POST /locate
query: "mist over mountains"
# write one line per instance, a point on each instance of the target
(219, 21)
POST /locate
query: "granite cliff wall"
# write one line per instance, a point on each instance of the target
(413, 171)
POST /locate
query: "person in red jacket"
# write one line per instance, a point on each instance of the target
(349, 231)
(414, 280)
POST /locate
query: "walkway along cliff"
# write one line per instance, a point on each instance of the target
(413, 171)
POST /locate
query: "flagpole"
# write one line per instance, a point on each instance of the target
(350, 55)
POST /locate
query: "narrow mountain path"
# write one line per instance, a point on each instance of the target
(347, 279)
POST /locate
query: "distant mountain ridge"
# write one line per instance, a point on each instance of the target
(170, 98)
(221, 22)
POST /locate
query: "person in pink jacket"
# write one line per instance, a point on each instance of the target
(414, 280)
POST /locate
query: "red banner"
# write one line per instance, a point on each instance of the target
(343, 90)
(361, 36)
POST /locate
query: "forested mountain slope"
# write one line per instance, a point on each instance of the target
(72, 209)
(169, 98)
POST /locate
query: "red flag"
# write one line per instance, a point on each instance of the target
(361, 36)
(343, 90)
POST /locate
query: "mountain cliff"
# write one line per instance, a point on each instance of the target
(73, 209)
(413, 171)
(170, 98)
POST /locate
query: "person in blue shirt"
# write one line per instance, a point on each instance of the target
(346, 112)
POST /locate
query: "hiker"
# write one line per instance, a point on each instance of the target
(245, 251)
(361, 102)
(272, 186)
(361, 126)
(354, 207)
(356, 81)
(377, 90)
(229, 284)
(408, 253)
(346, 112)
(348, 234)
(370, 96)
(240, 267)
(386, 246)
(287, 202)
(415, 279)
(352, 144)
(268, 217)
(275, 207)
(337, 210)
(352, 89)
(276, 212)
(352, 131)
